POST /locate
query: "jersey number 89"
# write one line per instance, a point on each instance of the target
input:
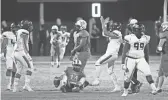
(139, 46)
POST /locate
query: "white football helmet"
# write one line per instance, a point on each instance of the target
(54, 27)
(133, 21)
(82, 24)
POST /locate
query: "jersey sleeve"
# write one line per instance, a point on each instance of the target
(127, 38)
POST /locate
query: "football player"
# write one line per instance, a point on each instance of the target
(73, 79)
(134, 57)
(8, 42)
(21, 55)
(65, 40)
(82, 43)
(135, 87)
(55, 45)
(163, 48)
(113, 32)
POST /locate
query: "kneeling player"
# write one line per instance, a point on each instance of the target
(73, 79)
(134, 58)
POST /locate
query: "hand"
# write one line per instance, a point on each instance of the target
(123, 67)
(159, 50)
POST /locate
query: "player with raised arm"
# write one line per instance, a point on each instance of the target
(72, 79)
(9, 39)
(134, 57)
(81, 49)
(55, 45)
(21, 55)
(113, 32)
(163, 49)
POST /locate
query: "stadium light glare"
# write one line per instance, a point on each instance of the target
(96, 9)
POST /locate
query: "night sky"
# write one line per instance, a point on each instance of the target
(120, 11)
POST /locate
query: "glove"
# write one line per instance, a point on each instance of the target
(123, 67)
(159, 50)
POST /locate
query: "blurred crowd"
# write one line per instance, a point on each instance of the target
(43, 35)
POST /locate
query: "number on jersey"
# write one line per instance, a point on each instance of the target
(74, 77)
(139, 46)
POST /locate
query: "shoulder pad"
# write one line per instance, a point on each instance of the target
(84, 33)
(147, 38)
(127, 38)
(22, 31)
(117, 33)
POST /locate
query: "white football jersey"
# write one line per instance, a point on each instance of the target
(20, 42)
(11, 40)
(65, 37)
(114, 44)
(136, 45)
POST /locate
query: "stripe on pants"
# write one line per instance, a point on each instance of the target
(105, 59)
(27, 61)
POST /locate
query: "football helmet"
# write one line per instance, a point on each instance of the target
(137, 30)
(26, 24)
(76, 63)
(82, 24)
(116, 26)
(133, 21)
(63, 28)
(56, 81)
(14, 27)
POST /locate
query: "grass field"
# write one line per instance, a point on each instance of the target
(42, 83)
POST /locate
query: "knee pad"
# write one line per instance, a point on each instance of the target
(56, 81)
(8, 72)
(17, 75)
(149, 79)
(28, 72)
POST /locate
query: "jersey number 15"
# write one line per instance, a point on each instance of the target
(139, 46)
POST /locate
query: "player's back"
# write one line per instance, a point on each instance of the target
(114, 44)
(79, 36)
(20, 42)
(72, 75)
(137, 46)
(11, 38)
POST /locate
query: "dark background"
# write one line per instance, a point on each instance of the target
(146, 11)
(120, 11)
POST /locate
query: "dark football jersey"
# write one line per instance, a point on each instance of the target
(73, 76)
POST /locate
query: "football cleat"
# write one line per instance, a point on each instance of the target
(125, 93)
(154, 92)
(76, 89)
(28, 88)
(63, 89)
(96, 82)
(52, 64)
(116, 89)
(9, 87)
